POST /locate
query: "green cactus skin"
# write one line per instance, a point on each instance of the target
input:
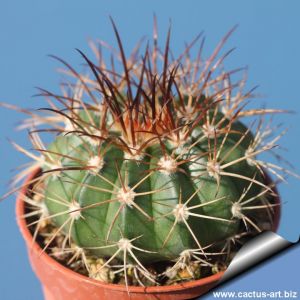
(151, 216)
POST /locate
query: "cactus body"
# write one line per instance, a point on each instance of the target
(151, 164)
(156, 209)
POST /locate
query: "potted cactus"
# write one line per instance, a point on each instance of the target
(152, 181)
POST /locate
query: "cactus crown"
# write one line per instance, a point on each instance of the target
(150, 164)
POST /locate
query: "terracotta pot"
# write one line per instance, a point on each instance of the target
(61, 283)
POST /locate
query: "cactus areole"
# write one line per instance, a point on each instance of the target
(151, 161)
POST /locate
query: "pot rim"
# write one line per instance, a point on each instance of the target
(33, 246)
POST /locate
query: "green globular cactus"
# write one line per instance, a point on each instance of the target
(171, 194)
(152, 163)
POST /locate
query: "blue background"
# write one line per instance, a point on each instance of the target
(267, 40)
